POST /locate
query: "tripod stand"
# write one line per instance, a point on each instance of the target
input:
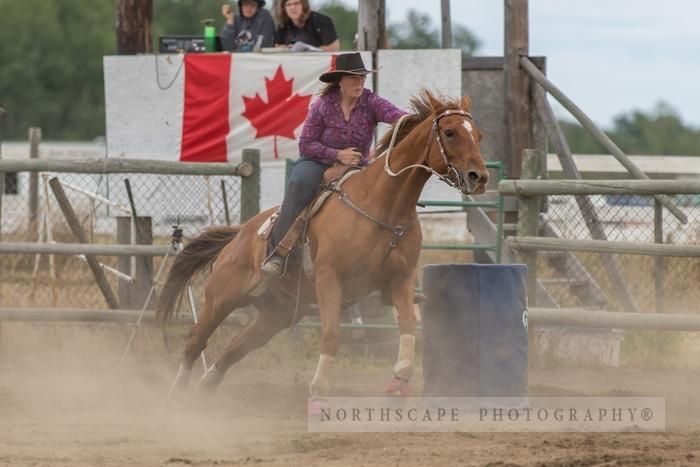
(175, 248)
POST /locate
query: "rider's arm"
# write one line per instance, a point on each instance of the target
(310, 140)
(385, 111)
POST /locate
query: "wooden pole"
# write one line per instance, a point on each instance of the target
(132, 295)
(516, 85)
(597, 187)
(2, 192)
(134, 18)
(34, 141)
(371, 27)
(94, 249)
(224, 197)
(596, 132)
(608, 320)
(659, 265)
(111, 166)
(79, 234)
(536, 317)
(250, 186)
(2, 177)
(529, 220)
(446, 24)
(585, 205)
(531, 243)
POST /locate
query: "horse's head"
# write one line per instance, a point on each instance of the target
(453, 145)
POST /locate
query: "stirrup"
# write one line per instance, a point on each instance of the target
(274, 266)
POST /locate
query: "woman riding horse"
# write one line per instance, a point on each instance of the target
(339, 129)
(365, 237)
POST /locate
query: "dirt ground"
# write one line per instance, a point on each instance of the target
(64, 402)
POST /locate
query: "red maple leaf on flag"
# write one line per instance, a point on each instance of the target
(282, 113)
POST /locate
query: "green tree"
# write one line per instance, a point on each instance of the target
(51, 66)
(417, 31)
(580, 141)
(344, 20)
(659, 132)
(186, 16)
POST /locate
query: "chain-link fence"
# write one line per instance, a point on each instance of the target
(662, 284)
(30, 213)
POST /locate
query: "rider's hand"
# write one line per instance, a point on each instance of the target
(349, 156)
(227, 11)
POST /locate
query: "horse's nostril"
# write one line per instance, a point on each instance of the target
(473, 176)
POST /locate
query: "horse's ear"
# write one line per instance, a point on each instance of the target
(465, 103)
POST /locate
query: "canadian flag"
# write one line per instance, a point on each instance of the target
(209, 107)
(236, 101)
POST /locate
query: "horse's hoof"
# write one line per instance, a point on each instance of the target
(210, 380)
(181, 381)
(398, 387)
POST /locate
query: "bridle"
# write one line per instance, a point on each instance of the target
(398, 231)
(452, 176)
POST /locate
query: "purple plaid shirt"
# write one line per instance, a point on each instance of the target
(326, 132)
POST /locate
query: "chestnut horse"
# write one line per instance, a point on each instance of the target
(365, 237)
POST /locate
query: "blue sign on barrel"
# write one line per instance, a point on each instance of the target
(475, 330)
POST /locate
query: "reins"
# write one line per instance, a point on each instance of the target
(399, 231)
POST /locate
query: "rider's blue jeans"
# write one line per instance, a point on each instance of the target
(305, 177)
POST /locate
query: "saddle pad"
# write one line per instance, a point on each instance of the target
(266, 227)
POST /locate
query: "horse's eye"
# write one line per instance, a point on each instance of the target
(449, 133)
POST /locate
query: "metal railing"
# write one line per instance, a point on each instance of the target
(496, 247)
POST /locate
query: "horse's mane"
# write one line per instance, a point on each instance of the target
(423, 105)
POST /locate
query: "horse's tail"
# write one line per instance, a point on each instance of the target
(199, 253)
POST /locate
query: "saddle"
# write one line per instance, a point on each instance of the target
(333, 179)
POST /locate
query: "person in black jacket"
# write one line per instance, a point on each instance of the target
(241, 32)
(299, 24)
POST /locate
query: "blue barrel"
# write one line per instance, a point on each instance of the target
(475, 330)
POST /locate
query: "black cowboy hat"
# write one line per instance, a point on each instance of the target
(261, 3)
(346, 64)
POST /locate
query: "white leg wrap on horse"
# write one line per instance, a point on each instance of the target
(320, 385)
(182, 379)
(404, 362)
(212, 378)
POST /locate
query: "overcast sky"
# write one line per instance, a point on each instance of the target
(609, 56)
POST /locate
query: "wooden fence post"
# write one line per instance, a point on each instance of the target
(224, 197)
(371, 29)
(659, 261)
(34, 141)
(250, 186)
(134, 19)
(446, 24)
(2, 192)
(132, 296)
(79, 234)
(517, 85)
(529, 219)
